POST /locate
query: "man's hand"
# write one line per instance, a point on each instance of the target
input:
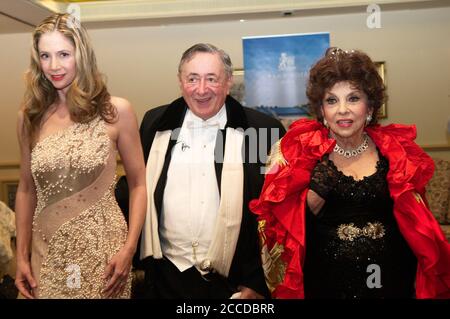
(248, 293)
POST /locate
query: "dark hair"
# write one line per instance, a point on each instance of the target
(353, 66)
(207, 48)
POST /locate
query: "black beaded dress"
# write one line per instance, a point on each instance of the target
(354, 248)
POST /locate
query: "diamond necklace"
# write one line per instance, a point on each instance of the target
(354, 152)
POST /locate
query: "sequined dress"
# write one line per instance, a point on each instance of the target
(77, 224)
(354, 248)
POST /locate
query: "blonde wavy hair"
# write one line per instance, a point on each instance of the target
(87, 97)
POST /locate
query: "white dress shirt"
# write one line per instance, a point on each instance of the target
(191, 196)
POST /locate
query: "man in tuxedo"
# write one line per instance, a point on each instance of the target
(205, 156)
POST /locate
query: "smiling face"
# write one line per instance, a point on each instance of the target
(57, 59)
(204, 84)
(345, 108)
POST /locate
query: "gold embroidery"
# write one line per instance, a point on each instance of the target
(276, 156)
(350, 231)
(273, 265)
(418, 198)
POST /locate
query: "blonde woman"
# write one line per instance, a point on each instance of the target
(72, 239)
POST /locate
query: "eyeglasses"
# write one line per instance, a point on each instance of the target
(209, 80)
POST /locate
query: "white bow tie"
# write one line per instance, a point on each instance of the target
(200, 125)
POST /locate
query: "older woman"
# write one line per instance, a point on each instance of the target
(342, 212)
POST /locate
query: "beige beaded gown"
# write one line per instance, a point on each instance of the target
(77, 225)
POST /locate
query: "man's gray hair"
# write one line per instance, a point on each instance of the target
(207, 48)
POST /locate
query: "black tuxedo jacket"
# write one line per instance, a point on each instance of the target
(246, 266)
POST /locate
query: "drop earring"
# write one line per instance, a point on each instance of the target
(368, 119)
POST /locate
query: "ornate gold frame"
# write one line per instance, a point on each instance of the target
(381, 70)
(8, 189)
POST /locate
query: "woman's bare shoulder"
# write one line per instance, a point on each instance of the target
(124, 109)
(122, 105)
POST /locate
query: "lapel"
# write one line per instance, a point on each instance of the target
(235, 119)
(173, 118)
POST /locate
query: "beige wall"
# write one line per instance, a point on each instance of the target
(141, 62)
(14, 57)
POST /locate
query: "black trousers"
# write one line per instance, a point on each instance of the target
(164, 280)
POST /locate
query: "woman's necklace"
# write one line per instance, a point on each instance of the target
(353, 152)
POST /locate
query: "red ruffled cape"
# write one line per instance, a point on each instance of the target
(281, 205)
